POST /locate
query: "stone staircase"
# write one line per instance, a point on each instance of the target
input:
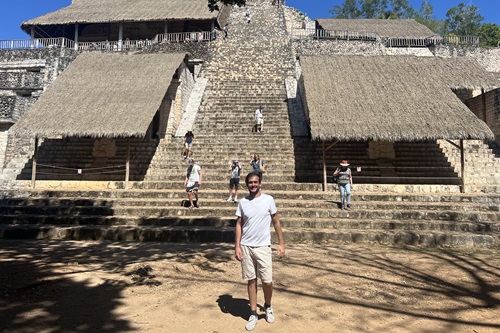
(244, 71)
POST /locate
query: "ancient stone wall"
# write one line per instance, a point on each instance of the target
(24, 75)
(487, 108)
(489, 58)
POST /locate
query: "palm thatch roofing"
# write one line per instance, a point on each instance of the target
(391, 98)
(105, 11)
(393, 28)
(102, 95)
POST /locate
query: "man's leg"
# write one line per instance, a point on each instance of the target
(252, 298)
(190, 197)
(252, 294)
(268, 292)
(196, 196)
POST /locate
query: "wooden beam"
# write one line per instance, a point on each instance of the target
(33, 166)
(127, 165)
(462, 165)
(324, 167)
(453, 144)
(483, 99)
(333, 144)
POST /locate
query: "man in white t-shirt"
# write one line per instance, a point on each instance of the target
(255, 214)
(193, 182)
(259, 119)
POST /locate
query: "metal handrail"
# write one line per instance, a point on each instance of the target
(37, 43)
(125, 45)
(389, 42)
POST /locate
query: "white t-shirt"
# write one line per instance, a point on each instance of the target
(194, 176)
(256, 219)
(258, 113)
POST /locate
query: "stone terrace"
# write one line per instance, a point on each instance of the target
(244, 71)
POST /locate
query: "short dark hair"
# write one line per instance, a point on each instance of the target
(252, 174)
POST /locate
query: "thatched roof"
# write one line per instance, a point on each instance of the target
(103, 11)
(391, 98)
(384, 28)
(102, 95)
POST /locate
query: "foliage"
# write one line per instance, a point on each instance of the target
(463, 20)
(426, 17)
(381, 9)
(214, 4)
(489, 35)
(348, 11)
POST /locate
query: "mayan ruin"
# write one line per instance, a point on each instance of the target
(94, 109)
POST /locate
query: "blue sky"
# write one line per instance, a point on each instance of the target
(14, 12)
(490, 9)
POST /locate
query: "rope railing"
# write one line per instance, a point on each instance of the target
(120, 169)
(357, 173)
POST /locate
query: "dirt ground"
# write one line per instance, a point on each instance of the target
(52, 286)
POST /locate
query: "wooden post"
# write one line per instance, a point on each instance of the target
(324, 167)
(33, 166)
(483, 99)
(127, 165)
(76, 36)
(32, 35)
(462, 165)
(120, 36)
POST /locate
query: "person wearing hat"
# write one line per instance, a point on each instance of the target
(193, 182)
(344, 181)
(234, 181)
(259, 119)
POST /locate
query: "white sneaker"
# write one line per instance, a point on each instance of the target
(229, 199)
(270, 315)
(252, 321)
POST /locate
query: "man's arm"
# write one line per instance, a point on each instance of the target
(277, 228)
(237, 239)
(201, 176)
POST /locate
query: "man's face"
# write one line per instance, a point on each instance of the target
(254, 185)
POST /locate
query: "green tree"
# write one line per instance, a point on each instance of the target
(463, 20)
(377, 9)
(489, 34)
(348, 10)
(214, 4)
(400, 9)
(426, 17)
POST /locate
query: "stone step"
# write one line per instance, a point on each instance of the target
(384, 193)
(203, 234)
(333, 212)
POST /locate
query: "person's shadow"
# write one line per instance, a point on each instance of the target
(237, 307)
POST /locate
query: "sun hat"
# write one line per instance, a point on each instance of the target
(344, 163)
(235, 161)
(191, 161)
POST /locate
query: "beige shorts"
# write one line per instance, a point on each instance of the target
(257, 262)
